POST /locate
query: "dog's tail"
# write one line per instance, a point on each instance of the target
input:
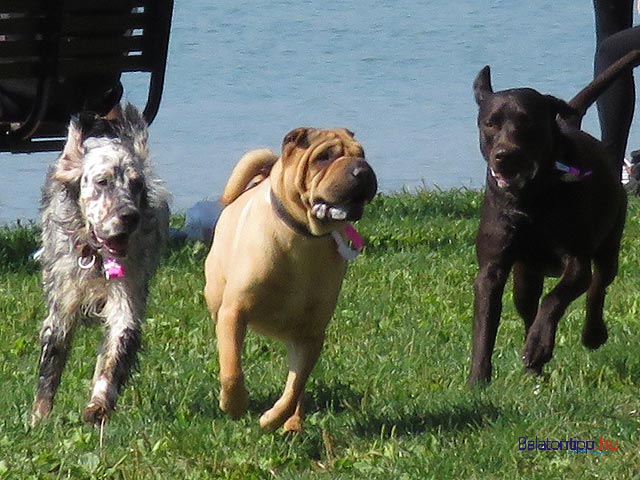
(252, 168)
(589, 94)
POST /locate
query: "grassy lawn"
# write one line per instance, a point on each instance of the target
(388, 398)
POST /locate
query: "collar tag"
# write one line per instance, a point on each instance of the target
(347, 251)
(113, 269)
(572, 174)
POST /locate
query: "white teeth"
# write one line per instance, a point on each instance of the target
(499, 179)
(320, 210)
(323, 211)
(337, 213)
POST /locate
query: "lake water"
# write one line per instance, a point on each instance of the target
(242, 73)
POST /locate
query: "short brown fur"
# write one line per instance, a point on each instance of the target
(264, 273)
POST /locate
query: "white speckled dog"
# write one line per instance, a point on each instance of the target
(104, 218)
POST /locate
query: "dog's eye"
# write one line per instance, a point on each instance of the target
(323, 157)
(102, 182)
(489, 124)
(527, 122)
(136, 185)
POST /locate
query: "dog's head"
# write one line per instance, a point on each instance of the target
(105, 161)
(518, 132)
(325, 179)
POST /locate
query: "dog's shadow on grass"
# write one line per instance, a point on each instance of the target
(451, 418)
(341, 400)
(336, 398)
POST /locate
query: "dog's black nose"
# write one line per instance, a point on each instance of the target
(505, 154)
(358, 171)
(130, 219)
(365, 179)
(501, 155)
(362, 171)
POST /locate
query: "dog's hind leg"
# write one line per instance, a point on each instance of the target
(55, 338)
(605, 263)
(123, 338)
(527, 288)
(302, 356)
(594, 332)
(542, 334)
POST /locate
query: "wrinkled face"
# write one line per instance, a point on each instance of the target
(111, 190)
(330, 174)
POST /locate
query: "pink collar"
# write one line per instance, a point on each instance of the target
(572, 174)
(111, 267)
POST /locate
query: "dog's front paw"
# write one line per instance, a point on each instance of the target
(234, 400)
(293, 424)
(41, 410)
(538, 350)
(271, 420)
(480, 375)
(478, 381)
(280, 413)
(96, 413)
(595, 337)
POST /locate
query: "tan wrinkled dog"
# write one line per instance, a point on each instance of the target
(274, 265)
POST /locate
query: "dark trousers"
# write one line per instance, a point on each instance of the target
(615, 37)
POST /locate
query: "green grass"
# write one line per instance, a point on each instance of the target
(387, 399)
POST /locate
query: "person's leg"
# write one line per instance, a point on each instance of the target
(616, 104)
(614, 39)
(611, 17)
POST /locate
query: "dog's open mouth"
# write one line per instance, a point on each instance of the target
(501, 180)
(115, 245)
(345, 212)
(512, 178)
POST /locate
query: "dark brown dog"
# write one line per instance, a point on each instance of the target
(552, 207)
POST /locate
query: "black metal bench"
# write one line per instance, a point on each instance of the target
(46, 42)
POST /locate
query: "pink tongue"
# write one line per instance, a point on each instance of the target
(113, 269)
(353, 235)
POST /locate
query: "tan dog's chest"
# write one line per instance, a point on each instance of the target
(285, 285)
(294, 310)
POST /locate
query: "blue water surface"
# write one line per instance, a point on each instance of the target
(242, 73)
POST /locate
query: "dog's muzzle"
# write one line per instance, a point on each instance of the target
(511, 169)
(359, 188)
(115, 239)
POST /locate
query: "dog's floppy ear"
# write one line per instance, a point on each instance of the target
(349, 132)
(135, 124)
(69, 166)
(482, 85)
(561, 107)
(297, 137)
